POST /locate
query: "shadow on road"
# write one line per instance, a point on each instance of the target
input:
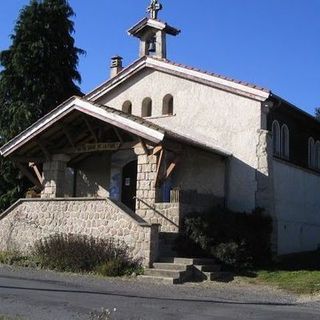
(124, 295)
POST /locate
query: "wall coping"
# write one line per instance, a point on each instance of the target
(135, 218)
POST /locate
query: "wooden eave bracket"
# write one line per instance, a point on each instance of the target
(29, 175)
(144, 146)
(36, 170)
(157, 149)
(160, 159)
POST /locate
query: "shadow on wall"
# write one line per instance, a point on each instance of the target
(93, 176)
(85, 187)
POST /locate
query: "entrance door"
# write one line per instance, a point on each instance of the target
(129, 185)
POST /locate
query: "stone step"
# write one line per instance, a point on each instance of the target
(188, 261)
(170, 266)
(218, 276)
(194, 261)
(164, 280)
(176, 274)
(208, 267)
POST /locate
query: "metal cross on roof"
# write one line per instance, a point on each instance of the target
(154, 8)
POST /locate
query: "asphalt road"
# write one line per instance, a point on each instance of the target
(47, 295)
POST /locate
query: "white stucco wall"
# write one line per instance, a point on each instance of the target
(297, 207)
(209, 180)
(225, 119)
(93, 176)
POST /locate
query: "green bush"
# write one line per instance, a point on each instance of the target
(238, 240)
(233, 254)
(112, 268)
(78, 253)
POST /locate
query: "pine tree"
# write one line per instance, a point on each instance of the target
(39, 72)
(317, 114)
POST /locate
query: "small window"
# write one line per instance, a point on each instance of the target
(146, 108)
(311, 153)
(276, 138)
(167, 105)
(285, 142)
(127, 107)
(317, 155)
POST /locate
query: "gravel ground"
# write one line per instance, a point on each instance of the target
(38, 294)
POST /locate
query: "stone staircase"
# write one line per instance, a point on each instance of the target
(179, 270)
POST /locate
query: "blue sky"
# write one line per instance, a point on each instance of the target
(273, 43)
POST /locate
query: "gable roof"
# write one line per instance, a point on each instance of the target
(130, 123)
(120, 119)
(211, 79)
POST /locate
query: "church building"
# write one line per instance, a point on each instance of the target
(158, 140)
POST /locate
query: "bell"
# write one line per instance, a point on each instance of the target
(152, 46)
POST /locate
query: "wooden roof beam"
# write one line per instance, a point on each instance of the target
(27, 159)
(68, 135)
(44, 149)
(117, 132)
(89, 126)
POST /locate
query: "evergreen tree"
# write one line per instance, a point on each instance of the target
(39, 72)
(317, 114)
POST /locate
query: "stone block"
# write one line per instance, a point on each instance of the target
(142, 159)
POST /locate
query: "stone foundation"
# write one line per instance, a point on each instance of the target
(30, 220)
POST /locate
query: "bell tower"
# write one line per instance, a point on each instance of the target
(152, 33)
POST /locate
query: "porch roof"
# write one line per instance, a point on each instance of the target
(118, 119)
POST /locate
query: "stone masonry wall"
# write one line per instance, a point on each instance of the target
(146, 190)
(32, 219)
(164, 214)
(54, 177)
(167, 215)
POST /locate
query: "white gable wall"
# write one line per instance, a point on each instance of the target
(225, 119)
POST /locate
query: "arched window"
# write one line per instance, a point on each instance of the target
(285, 142)
(146, 107)
(311, 153)
(276, 138)
(127, 107)
(317, 155)
(167, 105)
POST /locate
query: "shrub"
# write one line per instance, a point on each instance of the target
(119, 267)
(17, 259)
(78, 253)
(233, 254)
(238, 240)
(112, 268)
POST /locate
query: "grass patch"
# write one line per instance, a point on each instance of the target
(15, 258)
(300, 282)
(297, 273)
(9, 318)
